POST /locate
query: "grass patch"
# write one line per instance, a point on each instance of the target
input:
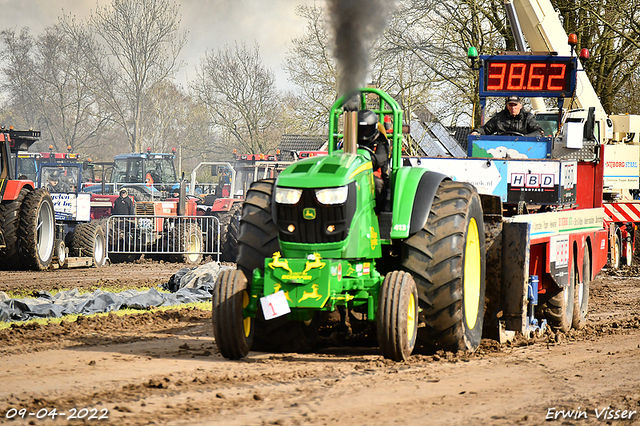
(31, 294)
(203, 306)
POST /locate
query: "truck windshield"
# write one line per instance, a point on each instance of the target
(549, 123)
(134, 170)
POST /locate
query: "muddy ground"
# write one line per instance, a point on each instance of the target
(164, 368)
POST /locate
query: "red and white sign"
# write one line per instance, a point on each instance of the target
(622, 212)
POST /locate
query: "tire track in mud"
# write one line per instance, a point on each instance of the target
(163, 367)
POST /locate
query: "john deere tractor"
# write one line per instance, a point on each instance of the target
(319, 239)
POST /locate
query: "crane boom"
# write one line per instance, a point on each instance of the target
(544, 32)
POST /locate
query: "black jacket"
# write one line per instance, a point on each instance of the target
(123, 206)
(380, 146)
(503, 121)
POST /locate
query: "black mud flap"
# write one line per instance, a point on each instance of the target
(516, 255)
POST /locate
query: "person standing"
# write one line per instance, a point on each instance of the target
(123, 204)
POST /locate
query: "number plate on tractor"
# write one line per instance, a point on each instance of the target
(274, 305)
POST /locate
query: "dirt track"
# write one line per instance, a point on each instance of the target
(163, 368)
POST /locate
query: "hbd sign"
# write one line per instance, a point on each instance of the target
(532, 180)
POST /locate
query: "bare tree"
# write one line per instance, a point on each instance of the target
(46, 79)
(175, 121)
(311, 67)
(240, 96)
(140, 44)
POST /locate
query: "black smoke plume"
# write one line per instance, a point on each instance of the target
(356, 25)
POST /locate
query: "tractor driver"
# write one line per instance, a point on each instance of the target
(53, 182)
(372, 137)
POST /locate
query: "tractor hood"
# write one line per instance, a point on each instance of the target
(325, 171)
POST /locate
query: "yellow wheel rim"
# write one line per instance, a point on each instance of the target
(246, 322)
(472, 275)
(411, 317)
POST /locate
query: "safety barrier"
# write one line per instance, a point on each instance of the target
(180, 238)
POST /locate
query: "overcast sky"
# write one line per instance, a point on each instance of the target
(210, 23)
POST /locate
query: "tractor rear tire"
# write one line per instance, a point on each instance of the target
(447, 261)
(190, 243)
(581, 294)
(258, 240)
(233, 332)
(10, 223)
(37, 233)
(397, 316)
(88, 240)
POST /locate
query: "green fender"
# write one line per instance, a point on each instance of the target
(413, 193)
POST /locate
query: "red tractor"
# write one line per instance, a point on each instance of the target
(27, 222)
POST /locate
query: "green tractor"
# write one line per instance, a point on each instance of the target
(315, 240)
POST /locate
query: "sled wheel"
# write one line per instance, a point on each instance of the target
(447, 261)
(559, 305)
(10, 222)
(189, 242)
(614, 255)
(258, 240)
(627, 259)
(397, 316)
(88, 240)
(581, 293)
(37, 230)
(233, 332)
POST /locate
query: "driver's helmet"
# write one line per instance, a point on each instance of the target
(367, 126)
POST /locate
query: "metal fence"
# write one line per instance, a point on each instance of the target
(178, 238)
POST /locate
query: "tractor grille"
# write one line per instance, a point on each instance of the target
(144, 208)
(313, 231)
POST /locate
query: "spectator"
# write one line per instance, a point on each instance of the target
(123, 204)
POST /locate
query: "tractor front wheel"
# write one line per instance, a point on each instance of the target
(258, 240)
(189, 244)
(447, 261)
(232, 330)
(397, 316)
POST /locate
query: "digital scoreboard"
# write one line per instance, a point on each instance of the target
(527, 75)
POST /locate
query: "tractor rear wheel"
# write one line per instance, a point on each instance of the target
(258, 240)
(447, 261)
(232, 330)
(37, 230)
(397, 316)
(581, 294)
(88, 240)
(10, 222)
(189, 242)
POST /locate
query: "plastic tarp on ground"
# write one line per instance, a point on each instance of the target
(186, 286)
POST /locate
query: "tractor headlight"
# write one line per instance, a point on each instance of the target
(332, 195)
(288, 195)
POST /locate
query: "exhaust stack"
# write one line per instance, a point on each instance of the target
(350, 132)
(350, 141)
